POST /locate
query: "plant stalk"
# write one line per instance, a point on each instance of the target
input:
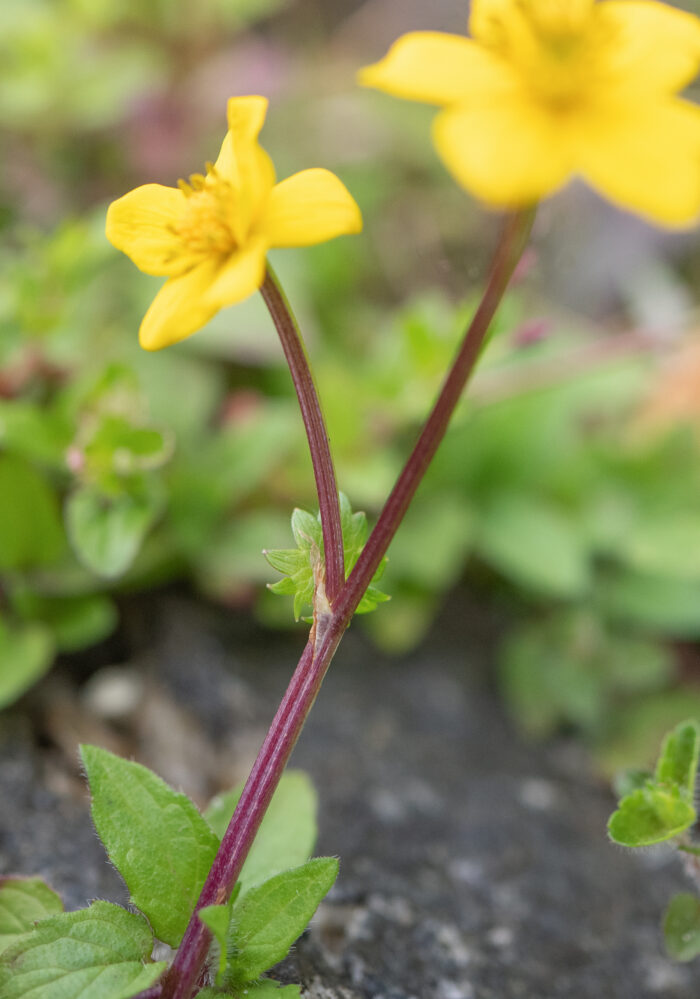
(301, 693)
(322, 461)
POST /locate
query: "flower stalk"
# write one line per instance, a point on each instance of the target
(305, 684)
(321, 459)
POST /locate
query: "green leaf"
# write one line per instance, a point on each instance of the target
(535, 545)
(26, 653)
(97, 952)
(269, 918)
(217, 918)
(154, 836)
(107, 534)
(30, 525)
(287, 834)
(682, 927)
(76, 622)
(678, 763)
(651, 815)
(23, 902)
(659, 605)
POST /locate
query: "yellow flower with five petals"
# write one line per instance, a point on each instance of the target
(545, 90)
(210, 236)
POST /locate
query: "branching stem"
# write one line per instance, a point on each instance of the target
(304, 686)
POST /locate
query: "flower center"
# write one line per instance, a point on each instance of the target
(205, 226)
(556, 45)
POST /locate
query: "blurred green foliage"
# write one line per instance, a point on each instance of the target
(121, 470)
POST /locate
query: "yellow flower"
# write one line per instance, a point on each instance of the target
(545, 90)
(210, 237)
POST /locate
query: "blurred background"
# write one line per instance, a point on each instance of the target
(567, 494)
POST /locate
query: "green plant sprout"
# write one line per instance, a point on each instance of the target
(659, 807)
(230, 891)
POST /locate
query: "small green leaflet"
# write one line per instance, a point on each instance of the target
(298, 564)
(271, 916)
(682, 927)
(154, 836)
(662, 807)
(23, 902)
(100, 953)
(287, 834)
(678, 763)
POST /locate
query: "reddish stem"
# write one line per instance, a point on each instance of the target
(287, 724)
(324, 473)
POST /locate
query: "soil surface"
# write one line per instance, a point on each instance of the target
(473, 865)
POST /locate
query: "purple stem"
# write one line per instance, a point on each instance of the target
(324, 473)
(182, 976)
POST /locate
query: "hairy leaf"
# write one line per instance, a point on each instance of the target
(23, 902)
(678, 763)
(95, 953)
(155, 837)
(651, 815)
(268, 919)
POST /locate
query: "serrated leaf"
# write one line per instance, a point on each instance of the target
(300, 564)
(23, 902)
(26, 653)
(97, 952)
(286, 560)
(306, 529)
(271, 916)
(287, 833)
(651, 815)
(678, 762)
(682, 927)
(154, 836)
(107, 533)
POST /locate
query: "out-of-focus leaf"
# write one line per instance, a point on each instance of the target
(107, 532)
(682, 927)
(26, 653)
(535, 545)
(30, 526)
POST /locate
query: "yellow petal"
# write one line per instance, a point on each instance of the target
(240, 276)
(309, 207)
(508, 155)
(438, 69)
(181, 307)
(646, 160)
(142, 225)
(654, 48)
(243, 163)
(491, 20)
